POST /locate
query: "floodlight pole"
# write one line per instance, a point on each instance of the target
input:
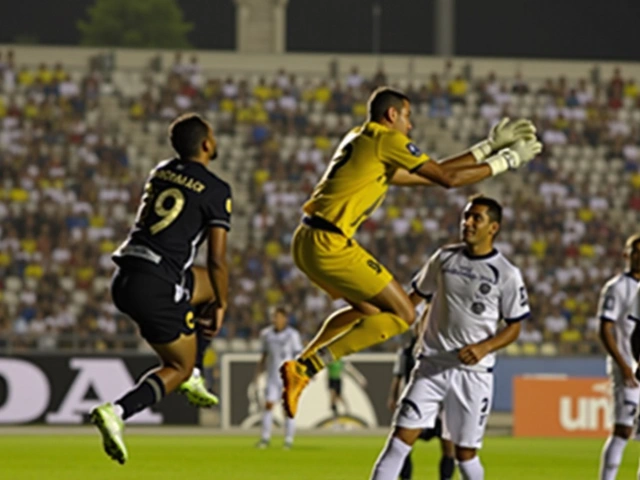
(444, 28)
(376, 15)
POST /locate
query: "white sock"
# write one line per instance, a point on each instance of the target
(267, 421)
(611, 457)
(196, 372)
(471, 469)
(390, 461)
(289, 429)
(118, 410)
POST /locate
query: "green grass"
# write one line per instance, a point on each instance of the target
(313, 458)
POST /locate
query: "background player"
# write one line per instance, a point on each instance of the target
(334, 374)
(280, 342)
(155, 284)
(369, 159)
(471, 287)
(614, 308)
(405, 361)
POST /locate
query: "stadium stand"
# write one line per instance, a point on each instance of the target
(76, 145)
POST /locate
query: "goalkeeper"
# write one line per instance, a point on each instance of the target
(369, 158)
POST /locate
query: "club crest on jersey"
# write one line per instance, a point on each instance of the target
(374, 265)
(413, 149)
(609, 302)
(477, 308)
(485, 288)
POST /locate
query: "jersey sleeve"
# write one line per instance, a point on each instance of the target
(218, 206)
(399, 366)
(425, 283)
(399, 151)
(610, 303)
(514, 301)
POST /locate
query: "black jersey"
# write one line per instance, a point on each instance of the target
(182, 199)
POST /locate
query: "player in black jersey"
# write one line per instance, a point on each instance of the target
(155, 283)
(405, 361)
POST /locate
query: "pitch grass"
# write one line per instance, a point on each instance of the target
(313, 458)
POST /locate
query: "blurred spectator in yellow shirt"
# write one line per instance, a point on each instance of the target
(44, 74)
(26, 77)
(631, 89)
(262, 91)
(458, 88)
(323, 93)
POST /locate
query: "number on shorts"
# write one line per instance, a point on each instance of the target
(483, 410)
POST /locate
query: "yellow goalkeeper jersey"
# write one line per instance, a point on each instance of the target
(357, 179)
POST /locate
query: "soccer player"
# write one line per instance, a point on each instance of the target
(369, 159)
(615, 309)
(334, 375)
(280, 342)
(471, 287)
(405, 361)
(155, 283)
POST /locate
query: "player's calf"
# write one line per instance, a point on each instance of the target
(391, 459)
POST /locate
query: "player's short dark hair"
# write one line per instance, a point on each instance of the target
(631, 242)
(494, 209)
(187, 132)
(382, 99)
(279, 309)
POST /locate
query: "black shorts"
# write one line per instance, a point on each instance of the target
(335, 384)
(161, 309)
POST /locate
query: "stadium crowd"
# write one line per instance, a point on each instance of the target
(70, 183)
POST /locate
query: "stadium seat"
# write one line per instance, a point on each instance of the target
(548, 349)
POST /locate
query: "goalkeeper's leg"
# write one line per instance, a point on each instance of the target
(346, 333)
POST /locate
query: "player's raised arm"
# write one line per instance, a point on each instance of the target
(506, 159)
(458, 170)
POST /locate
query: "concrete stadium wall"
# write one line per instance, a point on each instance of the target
(408, 67)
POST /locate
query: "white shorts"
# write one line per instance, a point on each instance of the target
(273, 390)
(625, 401)
(464, 396)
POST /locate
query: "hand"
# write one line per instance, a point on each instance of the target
(629, 377)
(211, 320)
(391, 404)
(472, 354)
(521, 152)
(506, 132)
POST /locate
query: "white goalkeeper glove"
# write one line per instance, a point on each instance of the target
(504, 134)
(512, 158)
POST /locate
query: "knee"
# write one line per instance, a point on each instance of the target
(406, 312)
(408, 436)
(183, 369)
(465, 454)
(623, 431)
